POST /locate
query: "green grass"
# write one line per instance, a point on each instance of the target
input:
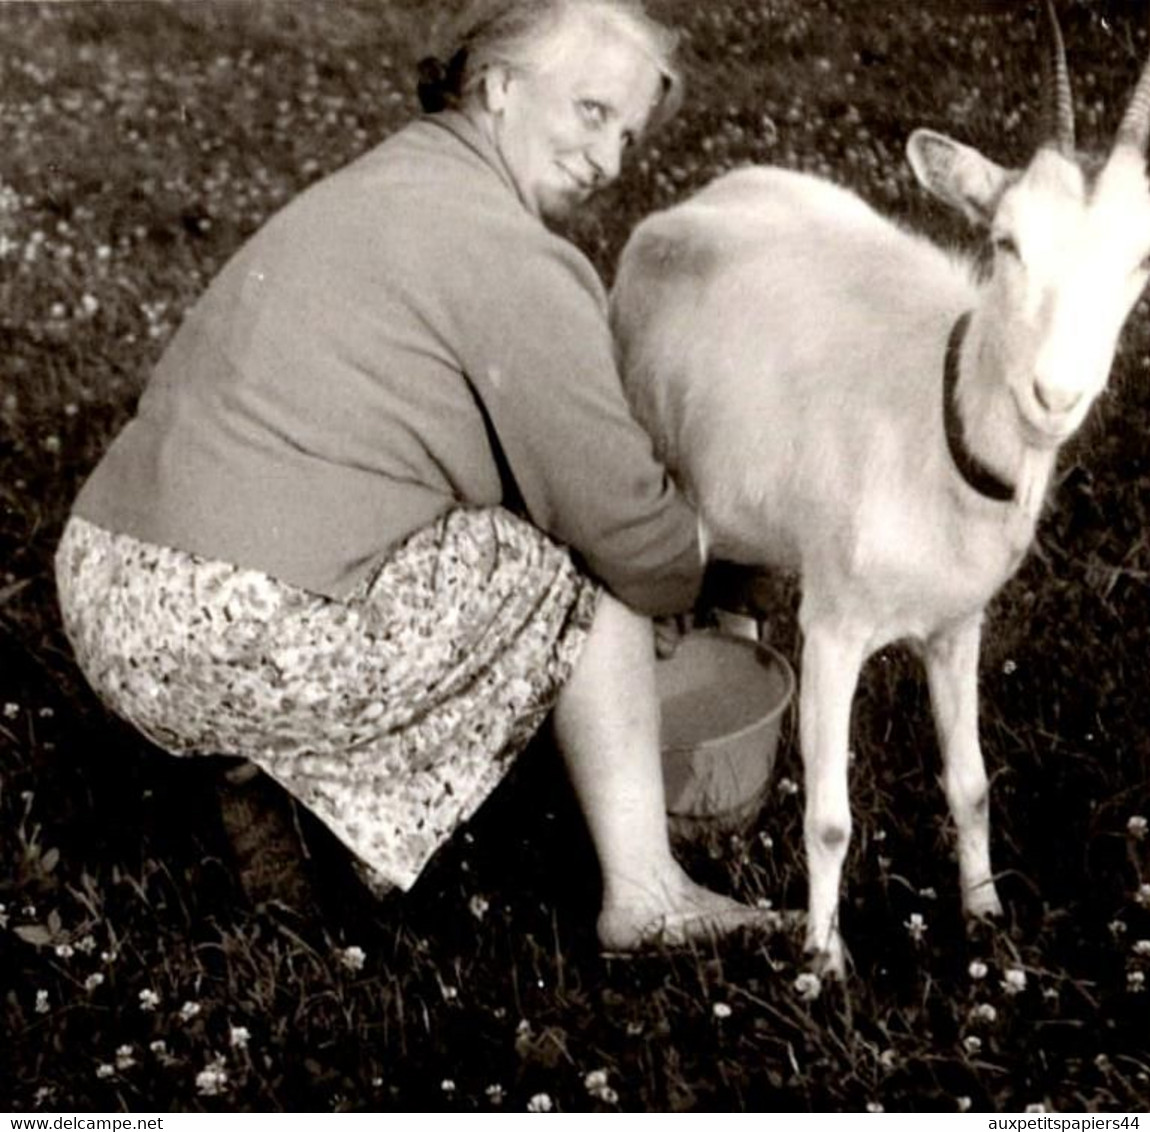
(142, 143)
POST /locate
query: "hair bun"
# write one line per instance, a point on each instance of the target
(432, 86)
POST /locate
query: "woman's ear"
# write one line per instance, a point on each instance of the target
(493, 85)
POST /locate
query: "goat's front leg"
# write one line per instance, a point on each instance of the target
(952, 669)
(831, 663)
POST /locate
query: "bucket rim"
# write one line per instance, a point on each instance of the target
(761, 648)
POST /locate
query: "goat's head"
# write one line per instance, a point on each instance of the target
(1070, 250)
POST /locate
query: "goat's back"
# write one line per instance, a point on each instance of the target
(781, 341)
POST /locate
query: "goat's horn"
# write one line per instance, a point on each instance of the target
(1061, 105)
(1134, 130)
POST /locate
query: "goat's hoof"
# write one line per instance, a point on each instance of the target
(983, 904)
(829, 961)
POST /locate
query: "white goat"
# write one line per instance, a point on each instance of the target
(845, 398)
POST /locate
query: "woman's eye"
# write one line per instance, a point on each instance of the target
(594, 113)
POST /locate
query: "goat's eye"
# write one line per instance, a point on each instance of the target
(1005, 245)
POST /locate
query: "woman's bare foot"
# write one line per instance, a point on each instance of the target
(675, 915)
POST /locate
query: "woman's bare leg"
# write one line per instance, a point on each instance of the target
(607, 725)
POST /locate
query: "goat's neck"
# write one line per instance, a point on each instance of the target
(991, 426)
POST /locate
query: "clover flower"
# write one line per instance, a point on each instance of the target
(104, 1070)
(808, 985)
(984, 1012)
(494, 1094)
(1136, 827)
(596, 1085)
(1014, 981)
(189, 1010)
(1135, 981)
(1142, 896)
(916, 927)
(478, 906)
(721, 1010)
(447, 1085)
(352, 958)
(212, 1080)
(977, 970)
(149, 1000)
(541, 1102)
(1142, 947)
(238, 1037)
(94, 980)
(42, 1006)
(65, 950)
(125, 1057)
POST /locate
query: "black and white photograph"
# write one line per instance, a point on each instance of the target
(575, 556)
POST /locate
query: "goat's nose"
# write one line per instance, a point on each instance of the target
(1053, 399)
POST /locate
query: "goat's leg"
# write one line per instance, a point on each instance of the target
(952, 669)
(830, 665)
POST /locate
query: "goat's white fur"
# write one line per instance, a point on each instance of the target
(784, 344)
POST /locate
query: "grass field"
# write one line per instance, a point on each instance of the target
(139, 144)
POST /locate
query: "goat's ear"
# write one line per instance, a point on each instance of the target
(957, 174)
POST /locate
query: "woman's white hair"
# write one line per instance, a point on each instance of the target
(520, 34)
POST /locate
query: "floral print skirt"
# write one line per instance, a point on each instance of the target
(391, 715)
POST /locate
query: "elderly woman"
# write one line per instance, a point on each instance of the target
(383, 510)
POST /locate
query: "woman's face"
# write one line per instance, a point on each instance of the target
(562, 125)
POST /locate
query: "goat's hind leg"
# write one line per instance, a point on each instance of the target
(831, 663)
(952, 669)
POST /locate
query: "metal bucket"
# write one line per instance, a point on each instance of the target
(723, 699)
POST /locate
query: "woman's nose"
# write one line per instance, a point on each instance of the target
(605, 155)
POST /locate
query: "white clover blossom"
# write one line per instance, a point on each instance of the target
(541, 1102)
(972, 1043)
(984, 1012)
(494, 1094)
(149, 1000)
(1142, 896)
(65, 950)
(1135, 981)
(1142, 947)
(212, 1080)
(87, 944)
(447, 1085)
(478, 906)
(808, 985)
(238, 1037)
(1014, 981)
(94, 980)
(964, 1103)
(916, 926)
(159, 1047)
(596, 1085)
(189, 1010)
(42, 1006)
(104, 1071)
(977, 970)
(125, 1057)
(1137, 827)
(721, 1010)
(352, 958)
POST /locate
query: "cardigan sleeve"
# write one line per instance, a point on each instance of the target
(544, 371)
